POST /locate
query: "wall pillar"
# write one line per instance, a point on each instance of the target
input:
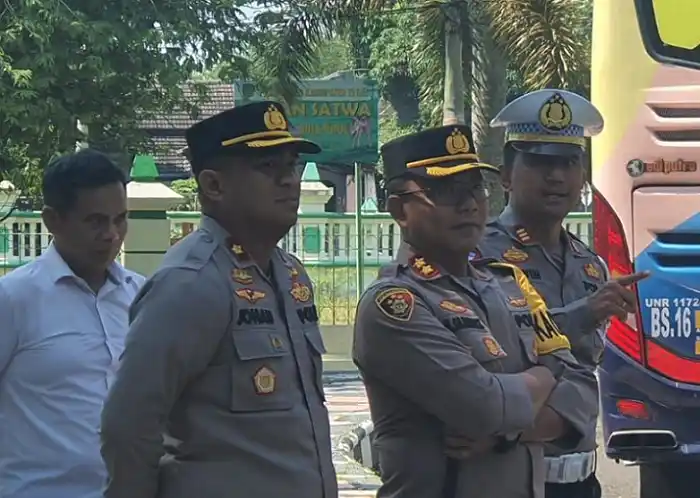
(148, 201)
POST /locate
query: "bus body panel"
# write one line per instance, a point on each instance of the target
(645, 164)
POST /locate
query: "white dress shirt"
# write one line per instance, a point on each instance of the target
(60, 345)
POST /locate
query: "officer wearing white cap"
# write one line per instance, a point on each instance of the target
(543, 174)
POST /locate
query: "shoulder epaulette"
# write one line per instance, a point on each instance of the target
(581, 244)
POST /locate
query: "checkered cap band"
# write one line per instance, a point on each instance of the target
(538, 129)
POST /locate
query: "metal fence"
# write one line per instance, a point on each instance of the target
(340, 262)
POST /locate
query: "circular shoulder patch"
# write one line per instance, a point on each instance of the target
(397, 303)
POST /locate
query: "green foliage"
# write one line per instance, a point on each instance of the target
(107, 65)
(188, 190)
(547, 41)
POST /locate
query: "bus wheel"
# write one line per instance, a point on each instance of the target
(669, 480)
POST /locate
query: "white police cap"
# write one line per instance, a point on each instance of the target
(550, 122)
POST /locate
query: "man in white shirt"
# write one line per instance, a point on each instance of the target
(63, 320)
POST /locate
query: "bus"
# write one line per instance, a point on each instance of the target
(646, 216)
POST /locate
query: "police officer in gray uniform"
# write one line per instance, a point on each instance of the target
(224, 351)
(452, 355)
(543, 174)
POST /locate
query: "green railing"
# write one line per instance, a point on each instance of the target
(326, 243)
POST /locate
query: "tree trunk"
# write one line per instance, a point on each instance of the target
(453, 102)
(489, 92)
(488, 97)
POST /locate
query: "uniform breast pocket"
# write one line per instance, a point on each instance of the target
(528, 340)
(484, 348)
(262, 375)
(314, 340)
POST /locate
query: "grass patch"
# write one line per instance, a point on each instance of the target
(336, 291)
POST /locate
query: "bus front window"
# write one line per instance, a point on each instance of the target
(670, 31)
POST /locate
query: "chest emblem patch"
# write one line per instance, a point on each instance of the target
(300, 292)
(517, 302)
(456, 308)
(250, 295)
(241, 276)
(493, 348)
(264, 381)
(514, 255)
(592, 271)
(396, 303)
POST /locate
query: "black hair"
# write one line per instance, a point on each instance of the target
(67, 175)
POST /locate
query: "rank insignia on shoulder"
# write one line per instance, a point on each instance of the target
(264, 381)
(522, 235)
(237, 249)
(250, 295)
(493, 347)
(517, 302)
(514, 255)
(300, 292)
(241, 276)
(592, 271)
(397, 303)
(456, 308)
(424, 269)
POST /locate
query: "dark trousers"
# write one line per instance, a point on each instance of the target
(589, 488)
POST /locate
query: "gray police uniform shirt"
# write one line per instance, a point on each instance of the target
(226, 361)
(564, 281)
(437, 354)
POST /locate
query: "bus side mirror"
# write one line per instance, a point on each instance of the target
(670, 30)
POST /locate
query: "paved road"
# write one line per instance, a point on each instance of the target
(618, 480)
(348, 407)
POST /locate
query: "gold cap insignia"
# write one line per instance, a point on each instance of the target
(250, 295)
(396, 303)
(264, 380)
(300, 292)
(241, 276)
(514, 255)
(457, 143)
(555, 113)
(274, 119)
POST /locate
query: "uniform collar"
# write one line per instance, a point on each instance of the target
(519, 233)
(59, 269)
(222, 237)
(424, 269)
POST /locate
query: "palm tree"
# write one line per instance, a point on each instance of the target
(460, 55)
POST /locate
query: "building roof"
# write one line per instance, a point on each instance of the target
(168, 131)
(218, 97)
(168, 157)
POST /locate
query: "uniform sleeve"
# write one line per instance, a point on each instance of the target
(177, 323)
(575, 318)
(9, 335)
(409, 350)
(575, 397)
